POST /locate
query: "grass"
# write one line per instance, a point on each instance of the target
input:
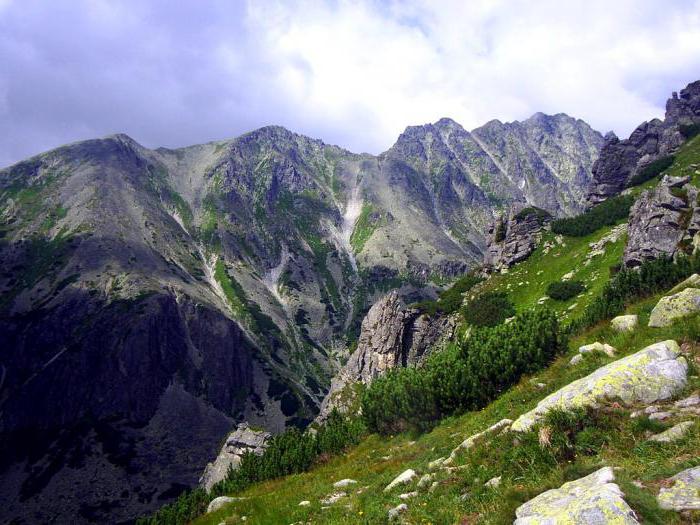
(527, 469)
(364, 228)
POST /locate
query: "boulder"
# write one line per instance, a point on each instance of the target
(691, 282)
(304, 503)
(673, 434)
(625, 323)
(402, 479)
(598, 347)
(593, 499)
(655, 373)
(685, 492)
(243, 439)
(333, 498)
(219, 502)
(408, 495)
(493, 482)
(513, 238)
(675, 306)
(689, 401)
(472, 440)
(576, 360)
(344, 483)
(396, 511)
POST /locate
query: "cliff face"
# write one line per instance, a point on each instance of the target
(622, 159)
(153, 299)
(513, 238)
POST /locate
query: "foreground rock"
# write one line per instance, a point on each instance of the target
(655, 373)
(673, 434)
(593, 499)
(598, 347)
(514, 238)
(392, 335)
(685, 492)
(625, 323)
(242, 440)
(672, 307)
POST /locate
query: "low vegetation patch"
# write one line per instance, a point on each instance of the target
(540, 214)
(651, 171)
(564, 290)
(488, 309)
(604, 214)
(690, 130)
(450, 300)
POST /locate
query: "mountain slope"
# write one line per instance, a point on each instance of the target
(152, 298)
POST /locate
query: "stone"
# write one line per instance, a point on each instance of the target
(344, 483)
(425, 480)
(493, 482)
(598, 347)
(691, 282)
(472, 440)
(673, 307)
(660, 416)
(690, 401)
(674, 433)
(219, 502)
(405, 477)
(625, 323)
(685, 492)
(655, 373)
(396, 511)
(576, 360)
(436, 463)
(333, 498)
(568, 276)
(408, 495)
(593, 499)
(242, 440)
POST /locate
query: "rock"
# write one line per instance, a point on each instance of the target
(333, 498)
(243, 439)
(690, 401)
(405, 477)
(655, 373)
(433, 486)
(513, 239)
(660, 416)
(685, 493)
(408, 495)
(425, 480)
(656, 224)
(344, 483)
(568, 276)
(598, 347)
(396, 511)
(576, 360)
(691, 282)
(624, 323)
(674, 307)
(593, 499)
(219, 502)
(436, 463)
(472, 440)
(391, 335)
(493, 482)
(673, 434)
(304, 503)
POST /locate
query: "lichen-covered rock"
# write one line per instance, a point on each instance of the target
(674, 433)
(604, 348)
(242, 440)
(675, 306)
(405, 477)
(655, 373)
(685, 492)
(691, 282)
(625, 323)
(594, 499)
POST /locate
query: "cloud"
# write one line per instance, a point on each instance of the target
(352, 73)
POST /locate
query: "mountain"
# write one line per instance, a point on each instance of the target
(152, 299)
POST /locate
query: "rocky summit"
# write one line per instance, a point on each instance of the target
(152, 299)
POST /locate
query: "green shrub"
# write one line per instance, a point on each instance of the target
(689, 130)
(606, 213)
(564, 290)
(465, 376)
(290, 452)
(652, 170)
(450, 300)
(488, 309)
(539, 213)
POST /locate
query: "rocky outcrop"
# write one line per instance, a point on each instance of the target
(676, 306)
(662, 221)
(591, 499)
(621, 159)
(514, 238)
(655, 373)
(392, 335)
(241, 441)
(685, 492)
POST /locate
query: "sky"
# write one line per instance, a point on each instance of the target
(353, 74)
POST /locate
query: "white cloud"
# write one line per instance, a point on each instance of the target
(352, 73)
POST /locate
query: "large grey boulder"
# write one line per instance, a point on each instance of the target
(655, 373)
(672, 307)
(591, 500)
(242, 440)
(513, 238)
(391, 335)
(685, 492)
